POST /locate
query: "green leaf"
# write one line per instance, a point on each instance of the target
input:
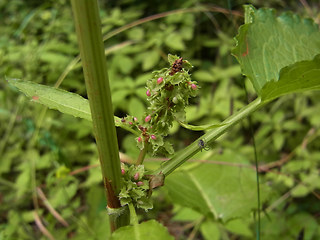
(299, 77)
(168, 147)
(54, 58)
(223, 192)
(61, 195)
(186, 32)
(278, 140)
(124, 63)
(174, 41)
(240, 227)
(61, 100)
(151, 230)
(300, 191)
(266, 44)
(150, 60)
(210, 230)
(186, 215)
(136, 34)
(136, 108)
(7, 159)
(225, 73)
(23, 181)
(302, 220)
(119, 95)
(203, 76)
(216, 73)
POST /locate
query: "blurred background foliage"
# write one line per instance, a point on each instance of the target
(56, 154)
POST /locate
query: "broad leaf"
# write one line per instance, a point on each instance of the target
(220, 191)
(150, 230)
(298, 77)
(61, 100)
(54, 98)
(267, 44)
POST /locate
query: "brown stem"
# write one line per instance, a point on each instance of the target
(41, 227)
(50, 208)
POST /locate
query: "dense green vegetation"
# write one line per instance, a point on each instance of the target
(50, 179)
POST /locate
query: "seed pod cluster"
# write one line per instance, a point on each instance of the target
(135, 188)
(168, 92)
(176, 66)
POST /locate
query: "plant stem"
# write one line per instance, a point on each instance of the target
(182, 156)
(133, 215)
(142, 154)
(88, 28)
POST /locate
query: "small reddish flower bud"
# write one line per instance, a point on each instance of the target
(193, 86)
(148, 93)
(123, 120)
(139, 139)
(139, 183)
(148, 118)
(153, 137)
(159, 80)
(123, 171)
(136, 176)
(135, 119)
(130, 123)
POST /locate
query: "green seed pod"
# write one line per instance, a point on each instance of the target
(175, 100)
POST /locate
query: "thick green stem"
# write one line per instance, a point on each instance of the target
(182, 156)
(88, 28)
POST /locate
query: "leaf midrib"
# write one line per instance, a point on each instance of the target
(203, 194)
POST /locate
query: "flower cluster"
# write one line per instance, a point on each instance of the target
(168, 92)
(135, 187)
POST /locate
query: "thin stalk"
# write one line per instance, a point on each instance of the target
(88, 28)
(258, 226)
(182, 156)
(196, 228)
(133, 215)
(41, 227)
(142, 154)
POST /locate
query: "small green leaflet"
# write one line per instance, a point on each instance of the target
(278, 54)
(61, 100)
